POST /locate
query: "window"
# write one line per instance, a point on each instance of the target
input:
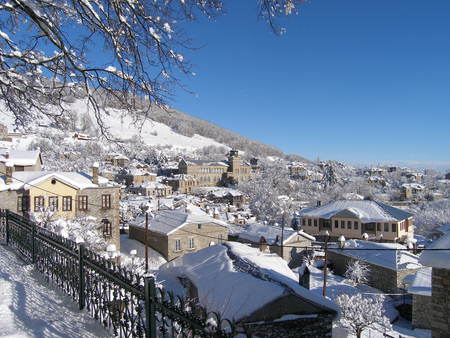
(349, 224)
(336, 224)
(220, 238)
(315, 222)
(303, 221)
(38, 203)
(386, 227)
(355, 225)
(191, 243)
(67, 203)
(106, 201)
(178, 244)
(342, 224)
(82, 202)
(23, 203)
(199, 226)
(394, 227)
(53, 203)
(378, 226)
(107, 227)
(309, 222)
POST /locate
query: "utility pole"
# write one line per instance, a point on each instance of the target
(282, 237)
(145, 240)
(327, 236)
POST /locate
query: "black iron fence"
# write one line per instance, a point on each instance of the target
(127, 304)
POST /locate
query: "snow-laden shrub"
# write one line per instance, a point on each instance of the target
(357, 272)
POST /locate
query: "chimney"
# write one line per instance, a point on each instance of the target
(9, 172)
(263, 244)
(7, 154)
(319, 203)
(304, 278)
(95, 173)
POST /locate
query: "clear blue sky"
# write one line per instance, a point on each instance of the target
(356, 81)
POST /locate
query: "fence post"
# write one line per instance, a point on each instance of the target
(81, 295)
(150, 308)
(33, 243)
(7, 226)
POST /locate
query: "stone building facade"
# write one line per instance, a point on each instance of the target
(186, 239)
(387, 279)
(422, 312)
(214, 173)
(440, 295)
(182, 183)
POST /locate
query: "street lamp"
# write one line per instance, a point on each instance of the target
(327, 237)
(380, 237)
(365, 236)
(146, 209)
(133, 254)
(341, 241)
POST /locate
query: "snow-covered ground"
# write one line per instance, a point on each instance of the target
(29, 307)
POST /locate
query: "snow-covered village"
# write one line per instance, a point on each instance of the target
(126, 212)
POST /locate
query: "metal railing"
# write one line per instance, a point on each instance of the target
(127, 304)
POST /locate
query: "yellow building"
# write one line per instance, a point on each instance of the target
(67, 195)
(354, 218)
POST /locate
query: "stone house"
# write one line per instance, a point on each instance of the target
(21, 160)
(255, 234)
(151, 188)
(116, 159)
(176, 232)
(68, 195)
(182, 183)
(353, 218)
(258, 290)
(439, 261)
(134, 176)
(388, 267)
(213, 173)
(422, 306)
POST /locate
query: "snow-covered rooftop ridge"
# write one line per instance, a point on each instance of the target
(181, 177)
(19, 157)
(221, 163)
(391, 259)
(236, 290)
(168, 221)
(365, 210)
(28, 179)
(438, 258)
(151, 184)
(421, 284)
(272, 234)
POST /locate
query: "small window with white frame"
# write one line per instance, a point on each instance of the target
(177, 244)
(191, 243)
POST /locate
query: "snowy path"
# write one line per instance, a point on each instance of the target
(29, 307)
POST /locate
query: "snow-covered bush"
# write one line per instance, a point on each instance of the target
(357, 272)
(359, 313)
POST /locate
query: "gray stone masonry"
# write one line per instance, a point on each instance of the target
(422, 312)
(440, 294)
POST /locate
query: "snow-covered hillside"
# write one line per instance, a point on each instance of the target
(122, 128)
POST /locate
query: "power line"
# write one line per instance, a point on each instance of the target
(235, 241)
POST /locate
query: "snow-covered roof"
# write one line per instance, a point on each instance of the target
(254, 232)
(140, 172)
(443, 228)
(20, 157)
(352, 196)
(235, 280)
(28, 179)
(206, 163)
(152, 185)
(168, 221)
(366, 211)
(391, 259)
(416, 186)
(438, 258)
(421, 284)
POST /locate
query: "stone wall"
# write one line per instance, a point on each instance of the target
(440, 295)
(387, 280)
(321, 326)
(422, 312)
